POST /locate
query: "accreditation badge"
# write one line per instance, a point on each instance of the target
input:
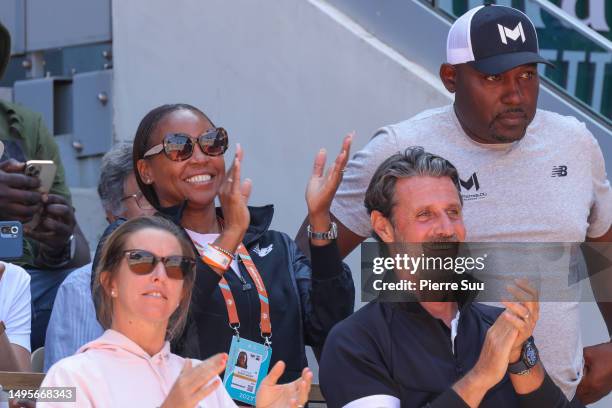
(247, 366)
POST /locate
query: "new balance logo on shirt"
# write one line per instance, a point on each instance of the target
(559, 171)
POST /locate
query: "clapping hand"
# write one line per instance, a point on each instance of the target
(523, 314)
(292, 395)
(495, 353)
(502, 346)
(234, 196)
(195, 383)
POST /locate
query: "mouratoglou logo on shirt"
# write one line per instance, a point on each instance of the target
(468, 185)
(471, 182)
(559, 171)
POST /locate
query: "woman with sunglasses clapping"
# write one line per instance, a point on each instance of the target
(253, 285)
(142, 289)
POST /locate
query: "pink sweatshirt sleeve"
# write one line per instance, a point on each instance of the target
(61, 376)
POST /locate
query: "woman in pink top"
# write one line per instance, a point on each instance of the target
(142, 292)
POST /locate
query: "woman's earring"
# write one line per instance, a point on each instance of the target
(113, 294)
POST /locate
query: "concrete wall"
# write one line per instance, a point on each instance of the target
(285, 78)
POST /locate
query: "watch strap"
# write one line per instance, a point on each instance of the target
(332, 233)
(519, 368)
(523, 365)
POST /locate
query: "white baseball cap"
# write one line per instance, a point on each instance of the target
(493, 39)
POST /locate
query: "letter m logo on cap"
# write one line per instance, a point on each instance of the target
(505, 33)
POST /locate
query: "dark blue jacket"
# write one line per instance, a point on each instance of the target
(306, 300)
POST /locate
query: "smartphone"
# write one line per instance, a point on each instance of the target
(44, 170)
(11, 240)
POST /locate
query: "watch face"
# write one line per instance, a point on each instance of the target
(531, 354)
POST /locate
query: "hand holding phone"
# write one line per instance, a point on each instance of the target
(19, 198)
(43, 170)
(57, 225)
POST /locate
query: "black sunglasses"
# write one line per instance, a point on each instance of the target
(143, 262)
(179, 146)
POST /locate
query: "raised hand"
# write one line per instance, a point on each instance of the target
(234, 196)
(293, 394)
(195, 383)
(323, 184)
(19, 199)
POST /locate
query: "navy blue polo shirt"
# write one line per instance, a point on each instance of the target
(399, 349)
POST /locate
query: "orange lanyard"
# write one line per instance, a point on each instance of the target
(234, 322)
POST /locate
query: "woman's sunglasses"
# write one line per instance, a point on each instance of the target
(179, 146)
(143, 262)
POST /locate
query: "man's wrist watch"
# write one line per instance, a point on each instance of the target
(332, 233)
(529, 358)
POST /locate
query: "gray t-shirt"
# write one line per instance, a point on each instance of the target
(551, 186)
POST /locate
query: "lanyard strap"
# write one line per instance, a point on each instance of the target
(264, 306)
(264, 323)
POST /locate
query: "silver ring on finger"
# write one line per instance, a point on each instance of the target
(231, 180)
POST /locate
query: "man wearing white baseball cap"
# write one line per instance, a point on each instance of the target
(527, 175)
(493, 40)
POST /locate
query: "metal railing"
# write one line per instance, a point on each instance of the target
(577, 24)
